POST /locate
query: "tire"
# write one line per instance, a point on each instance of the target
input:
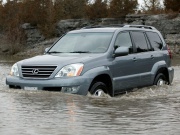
(11, 86)
(98, 89)
(160, 80)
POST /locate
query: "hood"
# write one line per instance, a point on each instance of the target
(61, 59)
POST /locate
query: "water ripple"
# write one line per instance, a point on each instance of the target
(150, 110)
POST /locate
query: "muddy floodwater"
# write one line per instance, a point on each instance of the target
(147, 111)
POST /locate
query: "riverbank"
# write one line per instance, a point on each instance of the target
(24, 50)
(39, 48)
(36, 49)
(35, 44)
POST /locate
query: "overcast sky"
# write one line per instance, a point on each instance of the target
(139, 1)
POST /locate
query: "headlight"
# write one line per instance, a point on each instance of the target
(14, 70)
(70, 70)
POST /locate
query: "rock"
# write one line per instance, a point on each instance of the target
(163, 24)
(27, 26)
(136, 16)
(136, 19)
(173, 39)
(49, 42)
(137, 22)
(176, 49)
(108, 21)
(168, 25)
(32, 33)
(64, 26)
(5, 50)
(157, 17)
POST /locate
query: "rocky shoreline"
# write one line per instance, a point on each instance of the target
(168, 25)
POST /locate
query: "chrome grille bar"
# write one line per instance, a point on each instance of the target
(37, 71)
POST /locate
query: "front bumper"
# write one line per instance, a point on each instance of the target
(81, 82)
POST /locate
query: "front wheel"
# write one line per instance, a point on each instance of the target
(160, 80)
(98, 89)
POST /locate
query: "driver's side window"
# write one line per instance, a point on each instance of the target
(124, 39)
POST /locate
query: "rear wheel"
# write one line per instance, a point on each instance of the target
(160, 80)
(98, 89)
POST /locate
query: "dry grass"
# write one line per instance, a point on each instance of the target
(9, 47)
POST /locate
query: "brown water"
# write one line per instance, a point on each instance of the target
(146, 111)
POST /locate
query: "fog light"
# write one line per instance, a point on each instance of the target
(70, 89)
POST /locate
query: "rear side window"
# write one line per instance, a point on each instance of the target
(140, 41)
(155, 40)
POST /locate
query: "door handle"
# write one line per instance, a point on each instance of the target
(134, 59)
(152, 57)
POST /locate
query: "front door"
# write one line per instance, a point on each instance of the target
(124, 68)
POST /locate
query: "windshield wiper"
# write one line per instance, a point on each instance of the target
(54, 52)
(80, 52)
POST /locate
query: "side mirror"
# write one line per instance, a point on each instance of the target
(46, 50)
(121, 51)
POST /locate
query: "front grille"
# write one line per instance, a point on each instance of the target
(37, 71)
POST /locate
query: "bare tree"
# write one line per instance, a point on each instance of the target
(70, 8)
(173, 5)
(98, 9)
(152, 6)
(119, 8)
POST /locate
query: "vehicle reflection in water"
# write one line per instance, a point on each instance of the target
(150, 110)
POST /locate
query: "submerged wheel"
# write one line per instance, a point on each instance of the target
(160, 80)
(11, 86)
(98, 89)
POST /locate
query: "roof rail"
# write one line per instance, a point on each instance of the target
(118, 26)
(92, 26)
(140, 26)
(103, 26)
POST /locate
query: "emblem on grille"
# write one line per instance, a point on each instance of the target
(35, 71)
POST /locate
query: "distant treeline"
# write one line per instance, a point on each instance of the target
(46, 13)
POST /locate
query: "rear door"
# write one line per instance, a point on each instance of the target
(157, 45)
(145, 57)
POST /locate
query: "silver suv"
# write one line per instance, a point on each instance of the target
(98, 60)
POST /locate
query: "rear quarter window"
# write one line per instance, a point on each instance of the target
(155, 41)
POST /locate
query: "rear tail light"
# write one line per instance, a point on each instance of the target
(169, 51)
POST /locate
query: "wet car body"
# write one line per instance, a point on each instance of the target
(118, 72)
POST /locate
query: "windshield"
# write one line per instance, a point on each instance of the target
(83, 43)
